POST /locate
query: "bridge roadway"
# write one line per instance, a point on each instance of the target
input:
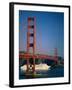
(38, 56)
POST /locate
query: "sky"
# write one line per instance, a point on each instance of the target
(49, 31)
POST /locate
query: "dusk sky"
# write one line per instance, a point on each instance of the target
(49, 31)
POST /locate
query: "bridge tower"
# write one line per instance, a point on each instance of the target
(31, 39)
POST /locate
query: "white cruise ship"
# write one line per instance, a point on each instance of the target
(39, 67)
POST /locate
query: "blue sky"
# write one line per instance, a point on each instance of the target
(49, 31)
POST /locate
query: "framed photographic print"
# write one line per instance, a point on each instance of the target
(39, 44)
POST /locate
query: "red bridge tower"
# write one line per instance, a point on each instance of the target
(31, 39)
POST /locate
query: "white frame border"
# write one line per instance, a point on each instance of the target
(16, 49)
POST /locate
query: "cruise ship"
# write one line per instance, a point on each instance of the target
(38, 67)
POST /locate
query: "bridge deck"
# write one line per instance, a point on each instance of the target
(36, 56)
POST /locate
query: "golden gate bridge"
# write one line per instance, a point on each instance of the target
(31, 33)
